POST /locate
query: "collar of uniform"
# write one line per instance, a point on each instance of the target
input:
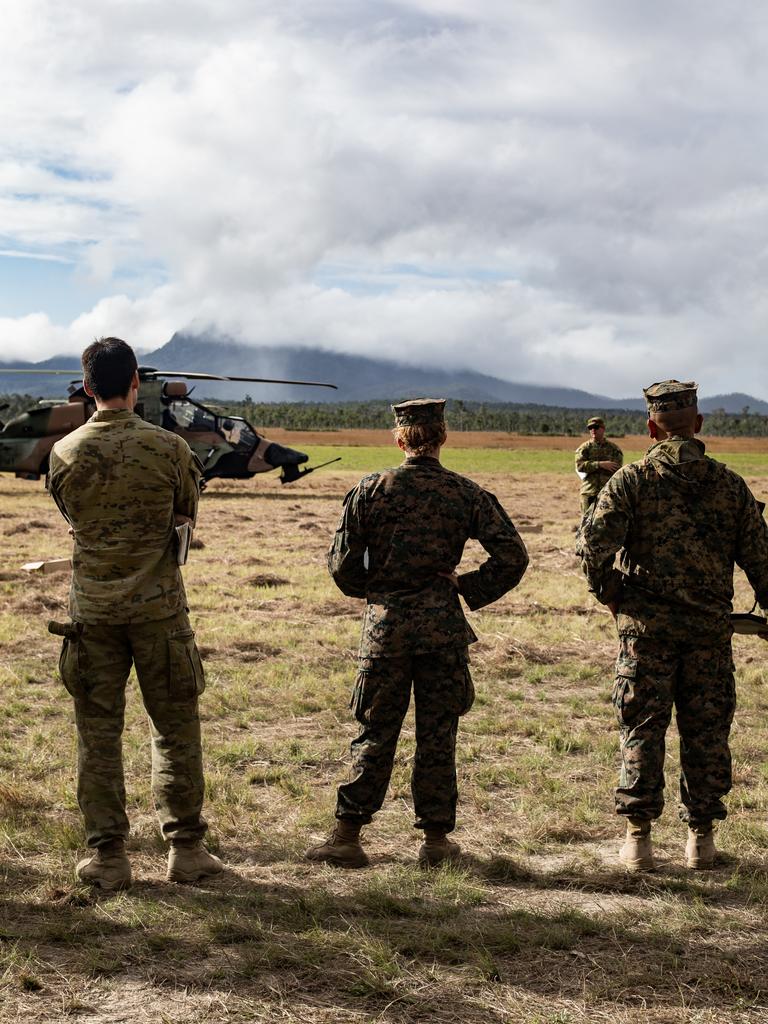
(111, 414)
(686, 449)
(421, 460)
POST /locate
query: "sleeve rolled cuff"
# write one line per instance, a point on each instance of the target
(473, 592)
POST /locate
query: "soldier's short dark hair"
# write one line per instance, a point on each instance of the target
(108, 367)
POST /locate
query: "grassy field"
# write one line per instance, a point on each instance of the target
(538, 925)
(367, 459)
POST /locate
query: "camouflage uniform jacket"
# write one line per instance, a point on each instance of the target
(680, 520)
(118, 481)
(588, 455)
(398, 530)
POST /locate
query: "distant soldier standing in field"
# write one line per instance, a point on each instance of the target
(596, 461)
(123, 484)
(680, 521)
(400, 537)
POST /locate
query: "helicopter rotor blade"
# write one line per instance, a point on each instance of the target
(69, 373)
(251, 380)
(152, 374)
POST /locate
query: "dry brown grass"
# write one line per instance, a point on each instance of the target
(539, 925)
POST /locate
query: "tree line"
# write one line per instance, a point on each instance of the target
(501, 417)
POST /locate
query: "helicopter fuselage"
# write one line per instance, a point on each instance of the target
(227, 446)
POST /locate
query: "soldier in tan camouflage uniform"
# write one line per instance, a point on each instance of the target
(680, 521)
(596, 461)
(122, 484)
(399, 539)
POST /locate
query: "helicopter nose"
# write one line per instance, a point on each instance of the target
(278, 455)
(269, 455)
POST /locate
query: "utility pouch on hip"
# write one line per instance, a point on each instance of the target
(69, 630)
(71, 657)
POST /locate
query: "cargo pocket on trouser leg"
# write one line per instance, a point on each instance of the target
(468, 692)
(454, 679)
(623, 697)
(362, 693)
(185, 668)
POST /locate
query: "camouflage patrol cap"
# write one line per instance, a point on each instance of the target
(419, 411)
(669, 395)
(595, 421)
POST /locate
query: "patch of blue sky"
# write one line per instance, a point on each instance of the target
(59, 286)
(73, 173)
(149, 271)
(453, 273)
(89, 202)
(365, 280)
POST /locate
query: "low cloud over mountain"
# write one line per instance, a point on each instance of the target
(358, 378)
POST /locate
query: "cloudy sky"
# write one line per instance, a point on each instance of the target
(571, 191)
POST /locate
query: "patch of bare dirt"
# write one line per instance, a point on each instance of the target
(338, 609)
(245, 650)
(38, 603)
(265, 580)
(20, 528)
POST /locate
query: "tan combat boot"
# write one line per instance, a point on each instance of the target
(189, 861)
(437, 848)
(637, 853)
(342, 847)
(700, 849)
(108, 868)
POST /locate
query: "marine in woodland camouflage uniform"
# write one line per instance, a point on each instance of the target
(400, 536)
(680, 521)
(596, 461)
(122, 484)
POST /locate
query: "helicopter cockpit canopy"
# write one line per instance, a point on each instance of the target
(238, 432)
(186, 415)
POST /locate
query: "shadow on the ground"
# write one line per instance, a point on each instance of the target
(372, 947)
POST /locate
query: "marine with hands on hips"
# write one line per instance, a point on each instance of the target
(399, 539)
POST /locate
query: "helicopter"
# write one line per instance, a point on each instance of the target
(228, 447)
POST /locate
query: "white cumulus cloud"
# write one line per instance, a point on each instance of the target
(570, 193)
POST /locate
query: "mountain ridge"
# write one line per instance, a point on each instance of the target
(359, 378)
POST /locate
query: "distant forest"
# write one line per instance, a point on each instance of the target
(500, 417)
(493, 416)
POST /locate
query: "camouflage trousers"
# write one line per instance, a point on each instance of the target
(443, 691)
(651, 678)
(94, 666)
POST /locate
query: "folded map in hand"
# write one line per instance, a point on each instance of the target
(183, 540)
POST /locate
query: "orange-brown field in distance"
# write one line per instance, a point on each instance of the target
(498, 439)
